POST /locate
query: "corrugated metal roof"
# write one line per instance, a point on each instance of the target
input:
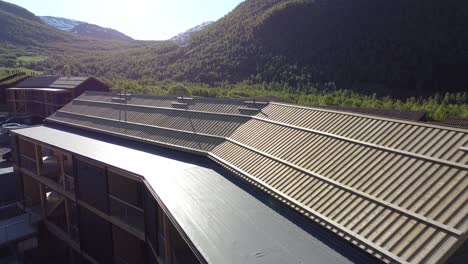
(51, 82)
(227, 106)
(223, 221)
(395, 188)
(391, 113)
(197, 122)
(456, 122)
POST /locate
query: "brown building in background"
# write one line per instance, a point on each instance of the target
(46, 94)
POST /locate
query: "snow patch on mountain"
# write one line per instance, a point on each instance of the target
(61, 23)
(83, 28)
(183, 39)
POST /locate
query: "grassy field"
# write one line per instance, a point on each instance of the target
(3, 74)
(30, 59)
(6, 71)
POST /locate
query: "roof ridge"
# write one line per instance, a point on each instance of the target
(158, 107)
(173, 97)
(315, 108)
(139, 124)
(425, 124)
(372, 145)
(353, 190)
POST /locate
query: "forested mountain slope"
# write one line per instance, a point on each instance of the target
(401, 48)
(24, 30)
(17, 11)
(24, 38)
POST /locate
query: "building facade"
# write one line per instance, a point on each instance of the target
(46, 94)
(97, 210)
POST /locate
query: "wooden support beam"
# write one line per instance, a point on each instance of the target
(13, 109)
(114, 220)
(49, 183)
(71, 259)
(43, 199)
(73, 245)
(168, 240)
(67, 215)
(62, 171)
(67, 203)
(38, 160)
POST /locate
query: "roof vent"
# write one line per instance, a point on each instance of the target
(255, 103)
(128, 95)
(182, 98)
(252, 107)
(119, 99)
(179, 105)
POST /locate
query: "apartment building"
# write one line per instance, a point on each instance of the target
(148, 179)
(43, 95)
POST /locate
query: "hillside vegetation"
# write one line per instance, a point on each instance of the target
(18, 11)
(438, 107)
(399, 48)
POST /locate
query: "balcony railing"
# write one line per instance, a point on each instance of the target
(50, 167)
(68, 169)
(28, 164)
(9, 232)
(128, 213)
(9, 210)
(68, 182)
(19, 225)
(27, 202)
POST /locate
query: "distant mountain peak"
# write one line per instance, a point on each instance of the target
(83, 28)
(96, 31)
(61, 23)
(183, 39)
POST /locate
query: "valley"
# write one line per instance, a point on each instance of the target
(293, 49)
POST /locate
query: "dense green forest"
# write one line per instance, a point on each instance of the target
(438, 107)
(372, 53)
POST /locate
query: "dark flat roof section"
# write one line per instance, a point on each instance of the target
(52, 82)
(226, 223)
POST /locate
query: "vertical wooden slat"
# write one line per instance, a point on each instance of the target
(168, 240)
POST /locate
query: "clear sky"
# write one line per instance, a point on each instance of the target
(139, 19)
